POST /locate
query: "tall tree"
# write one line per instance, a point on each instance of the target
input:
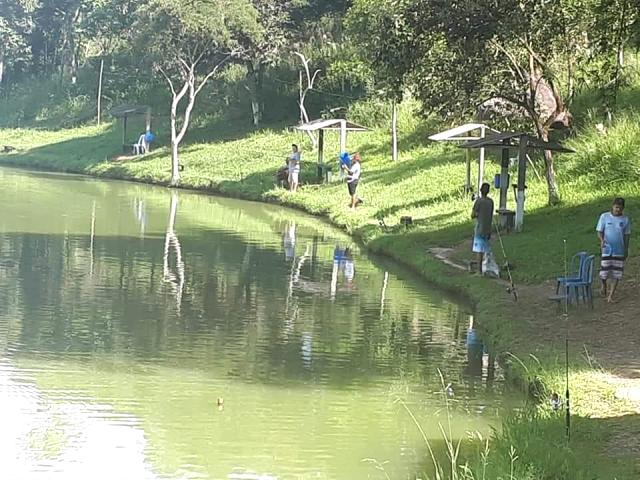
(15, 27)
(188, 43)
(108, 24)
(264, 46)
(615, 27)
(57, 42)
(379, 29)
(461, 54)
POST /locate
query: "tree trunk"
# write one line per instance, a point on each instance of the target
(550, 173)
(255, 76)
(74, 66)
(175, 161)
(100, 91)
(175, 164)
(304, 117)
(1, 66)
(394, 131)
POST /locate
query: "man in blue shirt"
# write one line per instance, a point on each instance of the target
(614, 230)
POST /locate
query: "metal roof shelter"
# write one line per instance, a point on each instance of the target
(465, 133)
(524, 142)
(321, 125)
(126, 111)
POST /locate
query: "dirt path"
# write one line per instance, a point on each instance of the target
(610, 333)
(608, 336)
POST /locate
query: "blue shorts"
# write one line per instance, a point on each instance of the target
(481, 243)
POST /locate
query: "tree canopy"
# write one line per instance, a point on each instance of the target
(521, 61)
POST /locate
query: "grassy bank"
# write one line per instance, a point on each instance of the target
(426, 184)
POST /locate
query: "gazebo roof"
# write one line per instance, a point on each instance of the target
(127, 110)
(498, 140)
(330, 124)
(457, 133)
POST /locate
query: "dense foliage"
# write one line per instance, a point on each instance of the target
(520, 62)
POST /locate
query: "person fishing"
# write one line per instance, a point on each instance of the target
(614, 231)
(353, 177)
(482, 212)
(294, 168)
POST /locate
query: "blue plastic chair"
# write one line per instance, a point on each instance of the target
(585, 284)
(575, 270)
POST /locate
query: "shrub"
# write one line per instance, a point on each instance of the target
(609, 158)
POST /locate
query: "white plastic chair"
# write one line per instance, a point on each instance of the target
(141, 147)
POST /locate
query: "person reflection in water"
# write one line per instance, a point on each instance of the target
(306, 349)
(289, 241)
(478, 358)
(475, 351)
(338, 255)
(140, 213)
(349, 268)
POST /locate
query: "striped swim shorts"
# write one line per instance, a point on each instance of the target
(611, 267)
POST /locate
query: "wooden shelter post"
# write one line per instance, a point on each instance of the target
(467, 185)
(124, 112)
(522, 175)
(481, 160)
(124, 131)
(504, 175)
(321, 146)
(320, 126)
(524, 142)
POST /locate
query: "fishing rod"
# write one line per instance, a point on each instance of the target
(566, 350)
(512, 286)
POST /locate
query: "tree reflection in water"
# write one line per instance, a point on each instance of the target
(172, 243)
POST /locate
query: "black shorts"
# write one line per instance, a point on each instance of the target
(352, 187)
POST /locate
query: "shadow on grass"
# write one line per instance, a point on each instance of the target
(443, 197)
(75, 155)
(537, 252)
(230, 129)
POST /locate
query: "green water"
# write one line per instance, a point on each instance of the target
(127, 311)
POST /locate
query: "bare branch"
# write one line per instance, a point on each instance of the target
(212, 73)
(183, 91)
(537, 57)
(305, 63)
(184, 66)
(511, 59)
(187, 111)
(173, 90)
(313, 79)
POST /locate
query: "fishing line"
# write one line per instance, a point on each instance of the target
(566, 348)
(512, 286)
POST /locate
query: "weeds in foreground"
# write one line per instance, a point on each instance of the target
(456, 467)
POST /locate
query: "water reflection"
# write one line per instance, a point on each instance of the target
(481, 363)
(343, 264)
(142, 322)
(140, 214)
(289, 241)
(173, 274)
(51, 438)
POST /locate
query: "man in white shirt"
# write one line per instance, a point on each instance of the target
(353, 176)
(294, 168)
(614, 231)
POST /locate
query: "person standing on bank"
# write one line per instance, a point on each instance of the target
(353, 177)
(482, 212)
(294, 168)
(614, 231)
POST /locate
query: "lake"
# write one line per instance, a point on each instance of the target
(147, 333)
